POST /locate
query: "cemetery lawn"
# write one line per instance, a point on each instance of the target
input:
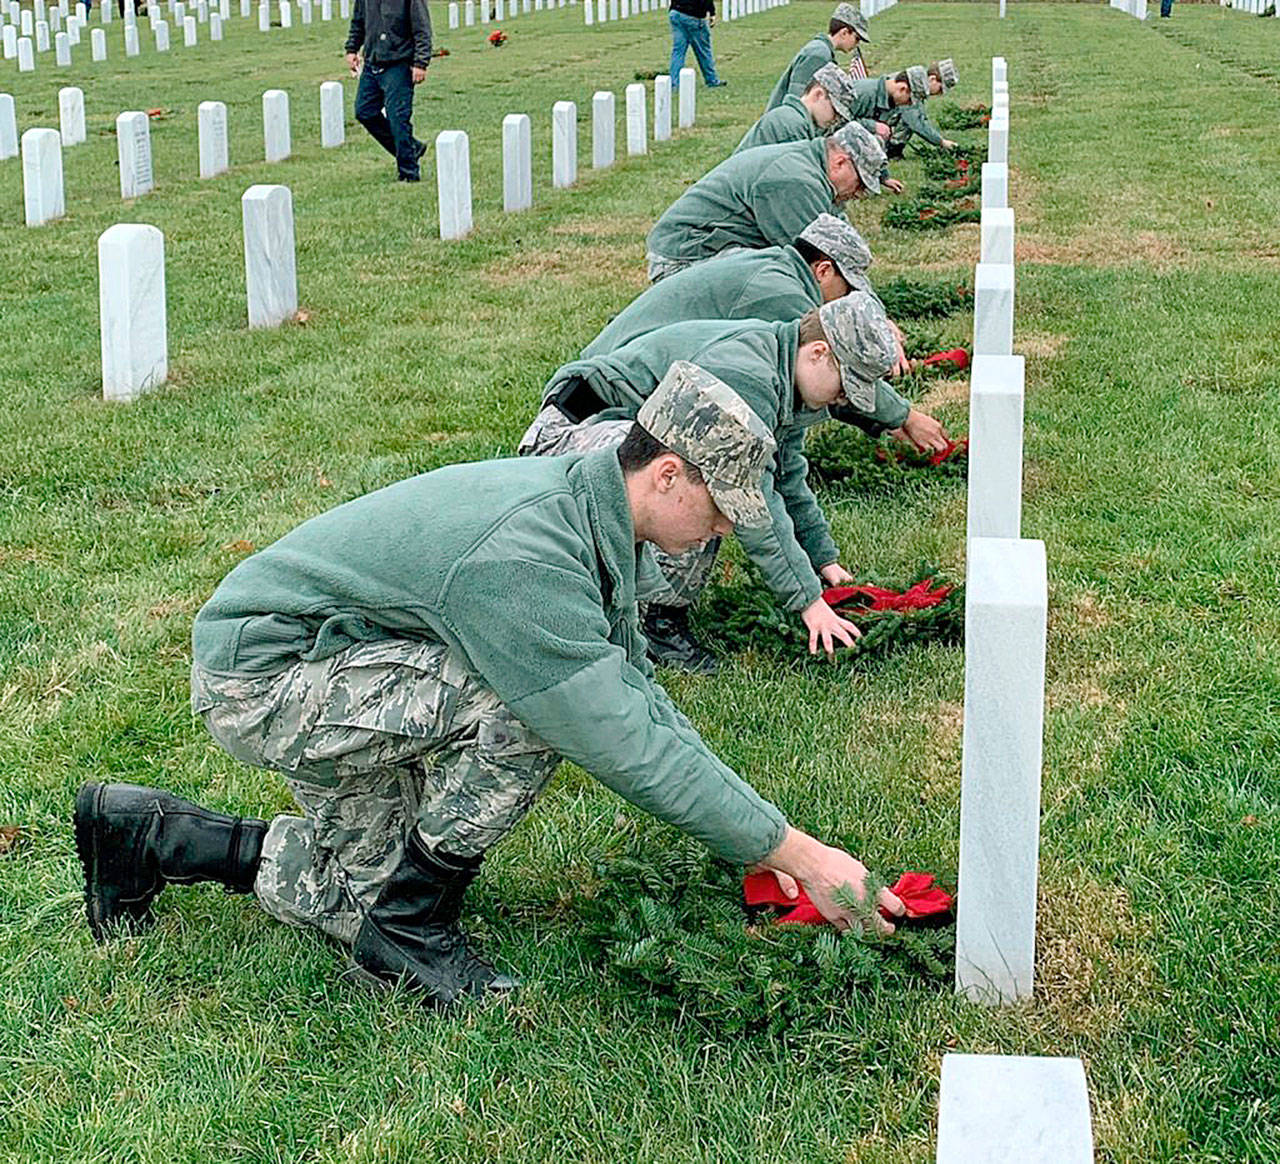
(1144, 176)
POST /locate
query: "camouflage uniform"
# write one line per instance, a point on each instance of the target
(371, 741)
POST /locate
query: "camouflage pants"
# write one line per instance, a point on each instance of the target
(378, 739)
(660, 268)
(553, 434)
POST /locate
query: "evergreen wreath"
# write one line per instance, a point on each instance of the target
(670, 923)
(950, 115)
(845, 457)
(906, 298)
(747, 617)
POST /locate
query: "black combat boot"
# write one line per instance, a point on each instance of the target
(133, 841)
(671, 642)
(411, 935)
(895, 149)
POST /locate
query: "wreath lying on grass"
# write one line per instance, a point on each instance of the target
(670, 924)
(747, 617)
(905, 298)
(949, 115)
(844, 456)
(951, 192)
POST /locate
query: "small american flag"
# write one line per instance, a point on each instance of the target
(857, 66)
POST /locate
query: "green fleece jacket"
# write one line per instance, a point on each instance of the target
(759, 198)
(774, 284)
(757, 360)
(790, 121)
(528, 568)
(818, 52)
(914, 119)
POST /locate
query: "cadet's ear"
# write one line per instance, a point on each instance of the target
(823, 269)
(667, 470)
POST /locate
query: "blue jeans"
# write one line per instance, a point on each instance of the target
(686, 33)
(389, 88)
(1166, 7)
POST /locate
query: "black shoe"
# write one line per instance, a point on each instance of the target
(895, 149)
(717, 85)
(133, 841)
(420, 149)
(671, 642)
(408, 178)
(411, 934)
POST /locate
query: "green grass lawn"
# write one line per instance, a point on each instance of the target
(1145, 178)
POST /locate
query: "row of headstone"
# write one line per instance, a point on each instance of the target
(131, 289)
(1252, 7)
(25, 39)
(453, 156)
(994, 1107)
(498, 10)
(42, 154)
(607, 11)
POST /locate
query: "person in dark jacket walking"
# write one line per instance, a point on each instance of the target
(691, 22)
(393, 37)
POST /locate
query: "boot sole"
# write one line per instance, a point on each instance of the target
(101, 913)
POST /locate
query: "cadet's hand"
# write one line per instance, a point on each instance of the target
(883, 132)
(835, 575)
(822, 870)
(948, 144)
(893, 185)
(353, 63)
(923, 431)
(901, 365)
(418, 74)
(827, 627)
(786, 882)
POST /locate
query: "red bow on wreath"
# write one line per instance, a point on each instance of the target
(497, 38)
(958, 358)
(919, 597)
(922, 899)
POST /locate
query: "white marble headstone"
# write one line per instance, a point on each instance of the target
(73, 31)
(1006, 600)
(998, 140)
(997, 236)
(453, 15)
(517, 162)
(564, 143)
(26, 24)
(637, 130)
(26, 58)
(246, 9)
(133, 147)
(275, 125)
(215, 25)
(211, 118)
(453, 183)
(42, 193)
(304, 11)
(688, 96)
(588, 13)
(332, 126)
(264, 16)
(1012, 1109)
(189, 31)
(98, 44)
(130, 40)
(8, 128)
(326, 10)
(662, 107)
(995, 185)
(344, 9)
(603, 127)
(995, 447)
(271, 277)
(62, 49)
(42, 36)
(993, 309)
(162, 36)
(286, 13)
(469, 13)
(9, 37)
(131, 304)
(71, 115)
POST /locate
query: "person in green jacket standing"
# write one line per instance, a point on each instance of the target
(777, 284)
(845, 31)
(822, 108)
(416, 662)
(788, 373)
(764, 197)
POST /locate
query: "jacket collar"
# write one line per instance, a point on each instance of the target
(794, 410)
(612, 528)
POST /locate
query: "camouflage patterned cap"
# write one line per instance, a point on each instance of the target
(700, 417)
(838, 86)
(868, 154)
(863, 343)
(835, 237)
(849, 15)
(918, 79)
(947, 73)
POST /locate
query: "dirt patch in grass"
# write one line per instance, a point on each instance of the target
(1105, 250)
(1090, 970)
(940, 762)
(628, 226)
(943, 392)
(568, 264)
(1042, 345)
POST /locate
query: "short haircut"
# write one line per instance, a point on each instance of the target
(812, 85)
(810, 253)
(902, 76)
(811, 329)
(640, 448)
(935, 72)
(836, 25)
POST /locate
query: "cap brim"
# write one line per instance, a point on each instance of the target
(871, 182)
(746, 508)
(842, 110)
(858, 392)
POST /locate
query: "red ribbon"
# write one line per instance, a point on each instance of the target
(953, 447)
(958, 357)
(917, 892)
(921, 596)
